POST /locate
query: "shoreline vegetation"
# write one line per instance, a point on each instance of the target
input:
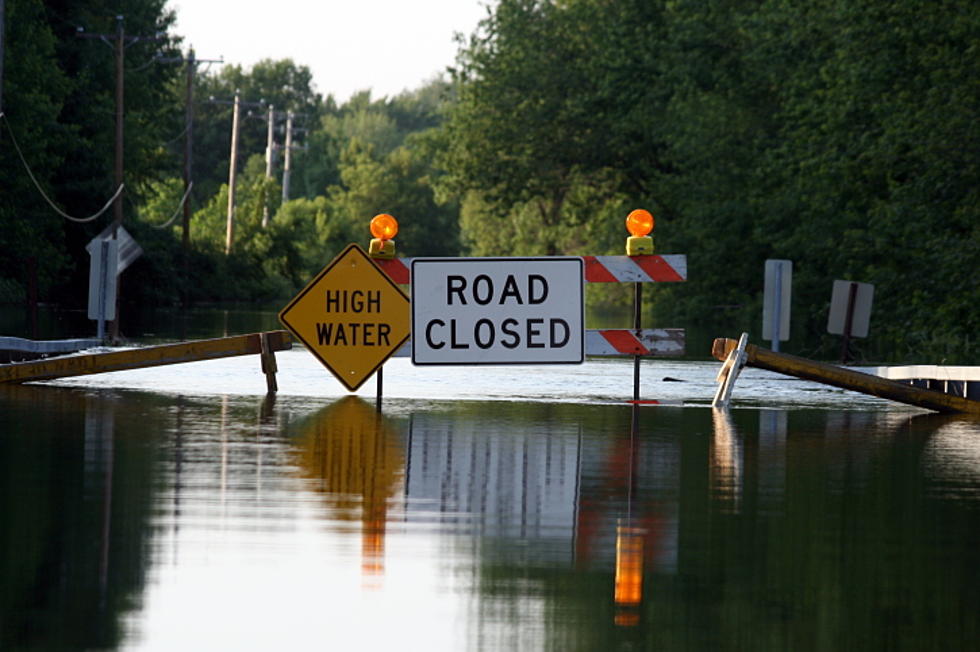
(841, 135)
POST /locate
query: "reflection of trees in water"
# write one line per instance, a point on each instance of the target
(75, 499)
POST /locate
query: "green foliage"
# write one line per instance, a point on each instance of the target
(840, 135)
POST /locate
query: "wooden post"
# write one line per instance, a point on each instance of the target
(846, 378)
(232, 173)
(269, 368)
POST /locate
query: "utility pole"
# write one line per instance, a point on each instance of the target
(270, 152)
(191, 62)
(121, 43)
(237, 103)
(232, 168)
(188, 151)
(117, 207)
(3, 45)
(287, 157)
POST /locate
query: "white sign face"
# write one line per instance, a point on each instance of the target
(497, 311)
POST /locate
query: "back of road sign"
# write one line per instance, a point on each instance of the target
(102, 275)
(860, 310)
(776, 300)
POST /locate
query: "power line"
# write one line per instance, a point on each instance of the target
(37, 185)
(180, 207)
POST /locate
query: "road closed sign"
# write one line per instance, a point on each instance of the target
(497, 311)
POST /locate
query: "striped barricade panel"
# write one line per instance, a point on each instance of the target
(598, 269)
(650, 342)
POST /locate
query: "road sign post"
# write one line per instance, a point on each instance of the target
(351, 316)
(475, 311)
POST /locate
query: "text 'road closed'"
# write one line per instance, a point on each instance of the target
(497, 311)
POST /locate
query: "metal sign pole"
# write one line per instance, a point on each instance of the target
(848, 322)
(637, 324)
(777, 311)
(103, 280)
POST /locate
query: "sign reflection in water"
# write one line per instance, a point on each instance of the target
(356, 460)
(148, 521)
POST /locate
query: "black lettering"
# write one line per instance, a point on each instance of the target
(356, 301)
(533, 332)
(340, 335)
(455, 285)
(369, 334)
(374, 301)
(323, 332)
(333, 299)
(480, 342)
(511, 290)
(555, 344)
(533, 299)
(488, 285)
(384, 330)
(428, 334)
(507, 328)
(453, 344)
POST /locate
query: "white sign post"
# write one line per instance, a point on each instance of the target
(475, 311)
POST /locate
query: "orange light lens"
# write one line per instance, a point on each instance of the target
(384, 227)
(639, 223)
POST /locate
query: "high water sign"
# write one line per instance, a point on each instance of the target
(352, 317)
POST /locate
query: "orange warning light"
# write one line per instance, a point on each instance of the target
(639, 222)
(384, 226)
(629, 566)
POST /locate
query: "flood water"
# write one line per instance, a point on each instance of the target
(510, 508)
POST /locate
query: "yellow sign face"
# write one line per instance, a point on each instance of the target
(351, 316)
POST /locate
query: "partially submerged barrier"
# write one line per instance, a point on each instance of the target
(264, 344)
(734, 356)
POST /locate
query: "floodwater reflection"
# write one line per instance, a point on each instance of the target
(143, 521)
(356, 461)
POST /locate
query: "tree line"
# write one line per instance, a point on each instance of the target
(841, 135)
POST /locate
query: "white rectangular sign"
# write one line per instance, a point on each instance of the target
(498, 311)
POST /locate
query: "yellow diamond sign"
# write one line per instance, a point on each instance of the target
(351, 316)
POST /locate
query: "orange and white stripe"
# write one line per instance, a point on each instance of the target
(598, 269)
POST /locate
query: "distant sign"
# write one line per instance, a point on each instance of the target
(862, 296)
(497, 311)
(776, 301)
(352, 317)
(102, 275)
(128, 250)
